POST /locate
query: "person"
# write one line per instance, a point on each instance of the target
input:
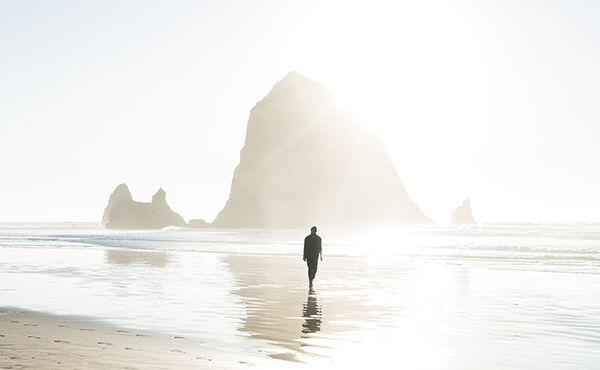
(312, 251)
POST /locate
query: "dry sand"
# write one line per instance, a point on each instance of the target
(32, 340)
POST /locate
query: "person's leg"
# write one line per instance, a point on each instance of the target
(312, 270)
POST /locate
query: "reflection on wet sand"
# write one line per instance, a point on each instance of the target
(273, 290)
(312, 314)
(123, 257)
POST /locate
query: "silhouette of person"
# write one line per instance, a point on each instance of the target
(312, 252)
(312, 314)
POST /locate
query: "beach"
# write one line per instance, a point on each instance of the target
(490, 297)
(33, 340)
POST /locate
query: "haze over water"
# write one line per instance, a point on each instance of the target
(487, 296)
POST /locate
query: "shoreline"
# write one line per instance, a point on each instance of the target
(37, 340)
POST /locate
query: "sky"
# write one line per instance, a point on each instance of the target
(495, 101)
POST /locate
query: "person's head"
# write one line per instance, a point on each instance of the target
(313, 230)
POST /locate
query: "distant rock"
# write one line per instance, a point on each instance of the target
(462, 215)
(198, 223)
(122, 212)
(304, 163)
(121, 194)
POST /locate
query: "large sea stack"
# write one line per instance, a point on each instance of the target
(122, 212)
(306, 163)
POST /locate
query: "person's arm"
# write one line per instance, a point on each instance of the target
(305, 246)
(320, 250)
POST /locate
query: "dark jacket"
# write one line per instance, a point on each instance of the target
(312, 247)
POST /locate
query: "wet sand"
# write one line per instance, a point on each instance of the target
(319, 326)
(30, 340)
(472, 301)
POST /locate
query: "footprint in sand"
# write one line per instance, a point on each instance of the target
(178, 337)
(246, 363)
(83, 329)
(33, 336)
(61, 341)
(131, 349)
(141, 335)
(29, 325)
(105, 343)
(63, 326)
(177, 351)
(204, 358)
(122, 331)
(14, 321)
(1, 335)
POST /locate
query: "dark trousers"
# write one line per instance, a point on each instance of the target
(312, 268)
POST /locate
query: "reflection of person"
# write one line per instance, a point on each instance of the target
(312, 315)
(312, 252)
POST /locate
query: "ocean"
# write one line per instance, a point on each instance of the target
(490, 296)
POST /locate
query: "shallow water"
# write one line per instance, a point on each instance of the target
(490, 296)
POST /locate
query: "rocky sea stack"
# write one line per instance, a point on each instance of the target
(122, 212)
(463, 214)
(304, 163)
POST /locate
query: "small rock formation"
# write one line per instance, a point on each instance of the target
(304, 163)
(121, 194)
(122, 212)
(462, 215)
(198, 223)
